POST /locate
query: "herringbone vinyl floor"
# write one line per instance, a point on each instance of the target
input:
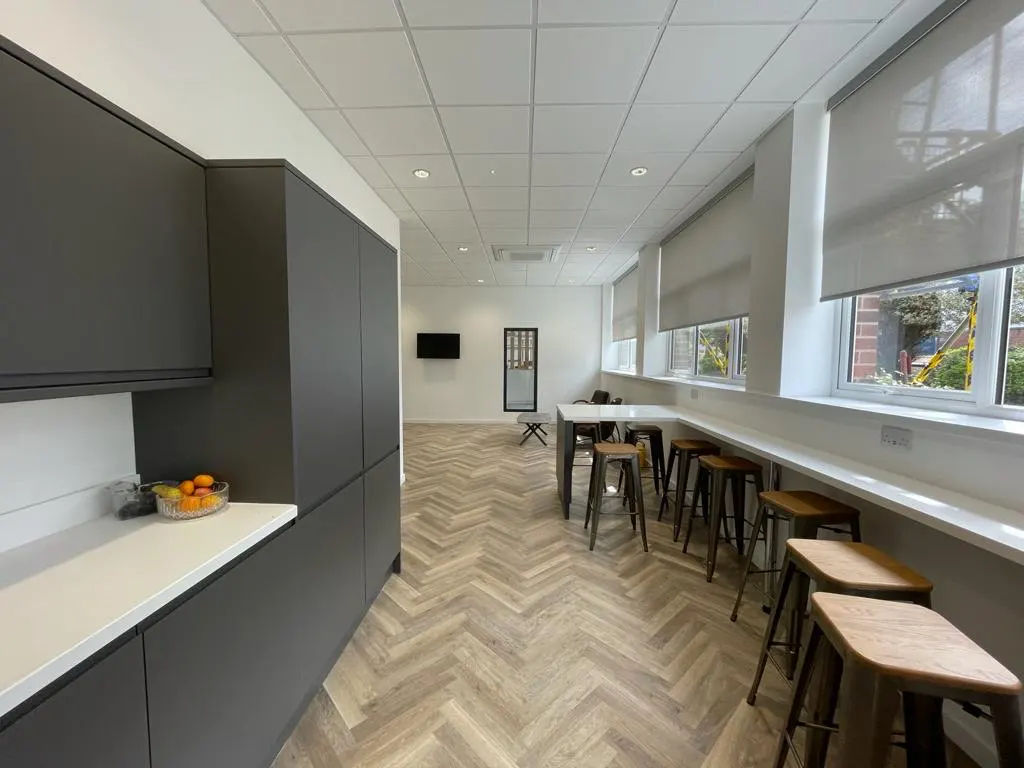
(506, 643)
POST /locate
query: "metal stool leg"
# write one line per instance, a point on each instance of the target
(639, 501)
(682, 478)
(926, 738)
(788, 574)
(598, 497)
(1009, 735)
(760, 521)
(799, 694)
(591, 492)
(717, 513)
(702, 477)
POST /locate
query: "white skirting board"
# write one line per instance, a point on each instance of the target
(510, 421)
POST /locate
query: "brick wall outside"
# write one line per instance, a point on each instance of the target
(865, 338)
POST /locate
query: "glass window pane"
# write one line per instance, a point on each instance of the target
(1013, 381)
(625, 352)
(683, 351)
(713, 350)
(919, 336)
(744, 329)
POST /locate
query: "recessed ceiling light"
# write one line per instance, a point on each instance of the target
(571, 281)
(493, 171)
(479, 281)
(423, 173)
(638, 171)
(463, 249)
(591, 249)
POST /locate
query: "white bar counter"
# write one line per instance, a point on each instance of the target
(65, 597)
(995, 529)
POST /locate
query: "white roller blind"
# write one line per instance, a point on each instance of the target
(624, 298)
(705, 269)
(924, 161)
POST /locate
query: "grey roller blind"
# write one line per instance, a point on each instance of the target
(924, 160)
(624, 300)
(705, 269)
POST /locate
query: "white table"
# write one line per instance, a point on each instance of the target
(995, 529)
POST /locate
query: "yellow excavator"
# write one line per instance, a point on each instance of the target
(970, 324)
(720, 359)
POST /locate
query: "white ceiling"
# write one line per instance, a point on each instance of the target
(529, 114)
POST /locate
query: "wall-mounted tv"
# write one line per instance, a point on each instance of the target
(443, 346)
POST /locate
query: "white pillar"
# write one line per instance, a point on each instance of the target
(651, 348)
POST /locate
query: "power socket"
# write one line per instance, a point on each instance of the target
(896, 437)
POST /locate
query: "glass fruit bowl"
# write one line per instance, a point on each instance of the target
(191, 507)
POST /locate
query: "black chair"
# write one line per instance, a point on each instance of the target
(600, 397)
(588, 433)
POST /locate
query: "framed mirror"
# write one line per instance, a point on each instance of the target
(520, 370)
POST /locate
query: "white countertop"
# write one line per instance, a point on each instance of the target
(996, 529)
(63, 598)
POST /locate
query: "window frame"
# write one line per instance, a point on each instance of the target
(735, 377)
(617, 350)
(991, 340)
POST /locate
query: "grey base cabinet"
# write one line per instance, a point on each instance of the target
(382, 511)
(98, 720)
(230, 670)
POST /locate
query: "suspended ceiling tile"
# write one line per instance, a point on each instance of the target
(483, 130)
(551, 235)
(576, 128)
(569, 170)
(364, 69)
(660, 168)
(399, 131)
(476, 66)
(335, 127)
(316, 15)
(842, 10)
(562, 198)
(675, 198)
(494, 170)
(733, 54)
(740, 11)
(241, 16)
(371, 171)
(627, 199)
(545, 218)
(612, 218)
(281, 63)
(602, 11)
(394, 200)
(701, 168)
(503, 235)
(401, 167)
(467, 13)
(599, 65)
(501, 219)
(667, 127)
(437, 199)
(742, 125)
(498, 198)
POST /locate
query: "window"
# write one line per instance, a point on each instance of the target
(958, 341)
(711, 351)
(915, 337)
(624, 355)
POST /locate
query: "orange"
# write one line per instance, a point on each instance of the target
(190, 504)
(187, 487)
(203, 481)
(209, 502)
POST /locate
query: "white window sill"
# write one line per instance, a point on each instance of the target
(687, 382)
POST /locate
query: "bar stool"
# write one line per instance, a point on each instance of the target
(808, 512)
(613, 452)
(842, 567)
(878, 650)
(685, 451)
(652, 434)
(734, 471)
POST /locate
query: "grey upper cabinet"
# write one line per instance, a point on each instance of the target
(103, 243)
(378, 283)
(98, 720)
(323, 301)
(282, 421)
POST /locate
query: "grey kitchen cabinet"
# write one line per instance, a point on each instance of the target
(382, 524)
(378, 283)
(231, 669)
(282, 421)
(103, 243)
(97, 720)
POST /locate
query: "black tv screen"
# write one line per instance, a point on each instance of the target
(444, 346)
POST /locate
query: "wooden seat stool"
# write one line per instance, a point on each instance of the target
(734, 471)
(842, 567)
(685, 452)
(871, 651)
(652, 434)
(808, 513)
(629, 455)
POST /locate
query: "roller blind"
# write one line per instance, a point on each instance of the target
(705, 269)
(624, 298)
(924, 161)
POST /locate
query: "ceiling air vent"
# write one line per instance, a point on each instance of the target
(524, 254)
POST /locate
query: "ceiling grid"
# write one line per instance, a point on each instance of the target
(534, 118)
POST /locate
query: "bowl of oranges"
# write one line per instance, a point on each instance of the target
(189, 499)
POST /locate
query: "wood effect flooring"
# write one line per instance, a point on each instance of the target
(505, 643)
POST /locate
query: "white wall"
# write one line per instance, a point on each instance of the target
(470, 389)
(172, 64)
